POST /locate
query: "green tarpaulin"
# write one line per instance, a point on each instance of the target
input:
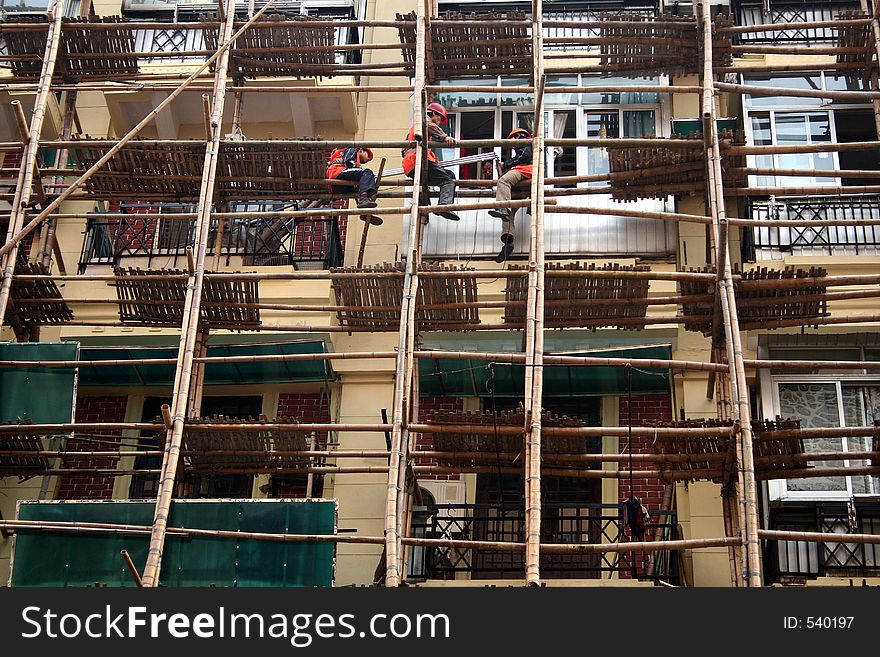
(473, 378)
(44, 396)
(65, 559)
(215, 373)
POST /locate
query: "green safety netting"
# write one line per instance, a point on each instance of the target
(83, 559)
(41, 395)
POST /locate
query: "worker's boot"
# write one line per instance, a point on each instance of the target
(501, 213)
(365, 201)
(506, 250)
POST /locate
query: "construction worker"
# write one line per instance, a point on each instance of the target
(437, 175)
(345, 164)
(515, 170)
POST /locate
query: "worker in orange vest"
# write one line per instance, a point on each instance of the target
(515, 170)
(345, 164)
(437, 175)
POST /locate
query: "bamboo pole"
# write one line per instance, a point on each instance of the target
(534, 347)
(755, 90)
(404, 361)
(189, 329)
(24, 185)
(116, 146)
(554, 548)
(740, 395)
(819, 537)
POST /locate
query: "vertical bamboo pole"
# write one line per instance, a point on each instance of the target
(404, 353)
(49, 244)
(875, 29)
(192, 308)
(733, 338)
(535, 304)
(24, 186)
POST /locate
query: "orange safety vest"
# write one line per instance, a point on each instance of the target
(409, 154)
(336, 166)
(525, 168)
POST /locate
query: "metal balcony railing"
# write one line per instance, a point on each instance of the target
(303, 243)
(799, 560)
(808, 240)
(755, 12)
(560, 523)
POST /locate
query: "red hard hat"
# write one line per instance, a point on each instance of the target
(369, 151)
(517, 131)
(437, 107)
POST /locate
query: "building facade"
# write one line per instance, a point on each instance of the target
(833, 193)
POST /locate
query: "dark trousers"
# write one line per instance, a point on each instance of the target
(442, 178)
(365, 179)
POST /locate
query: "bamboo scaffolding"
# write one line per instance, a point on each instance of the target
(25, 183)
(739, 392)
(553, 548)
(404, 361)
(534, 343)
(189, 332)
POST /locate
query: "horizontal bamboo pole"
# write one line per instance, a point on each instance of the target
(829, 147)
(818, 537)
(766, 364)
(637, 431)
(807, 67)
(550, 359)
(205, 25)
(756, 49)
(811, 173)
(809, 473)
(817, 321)
(794, 25)
(557, 548)
(152, 426)
(823, 190)
(626, 212)
(755, 90)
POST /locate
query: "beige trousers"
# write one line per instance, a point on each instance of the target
(505, 183)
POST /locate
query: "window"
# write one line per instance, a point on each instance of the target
(848, 398)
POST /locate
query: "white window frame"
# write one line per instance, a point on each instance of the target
(792, 105)
(778, 488)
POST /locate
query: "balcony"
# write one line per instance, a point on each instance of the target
(772, 243)
(756, 12)
(126, 240)
(561, 523)
(797, 561)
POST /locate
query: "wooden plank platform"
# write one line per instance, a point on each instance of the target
(665, 45)
(77, 48)
(786, 304)
(173, 172)
(26, 461)
(659, 171)
(780, 450)
(488, 445)
(297, 48)
(482, 48)
(567, 300)
(266, 441)
(377, 301)
(132, 291)
(36, 303)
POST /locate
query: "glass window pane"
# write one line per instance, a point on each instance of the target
(638, 124)
(603, 125)
(519, 99)
(784, 82)
(455, 99)
(815, 405)
(616, 98)
(561, 81)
